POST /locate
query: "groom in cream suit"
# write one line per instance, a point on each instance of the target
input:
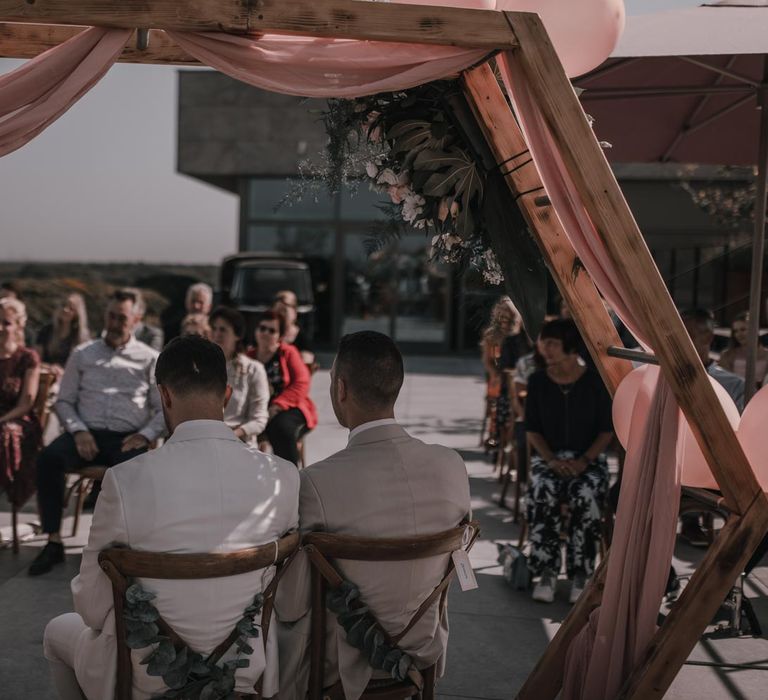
(203, 491)
(383, 484)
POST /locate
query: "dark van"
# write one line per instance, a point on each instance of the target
(249, 282)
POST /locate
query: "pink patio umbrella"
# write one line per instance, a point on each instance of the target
(689, 86)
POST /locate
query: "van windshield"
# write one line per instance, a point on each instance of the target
(257, 286)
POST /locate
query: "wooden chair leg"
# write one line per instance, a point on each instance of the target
(15, 526)
(302, 459)
(485, 422)
(518, 496)
(430, 678)
(82, 489)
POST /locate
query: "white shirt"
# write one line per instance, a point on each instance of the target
(371, 424)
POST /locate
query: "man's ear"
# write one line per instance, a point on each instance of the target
(227, 395)
(165, 395)
(341, 389)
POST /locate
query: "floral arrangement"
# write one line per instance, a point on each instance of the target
(423, 150)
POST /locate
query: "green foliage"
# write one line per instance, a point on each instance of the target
(187, 674)
(363, 632)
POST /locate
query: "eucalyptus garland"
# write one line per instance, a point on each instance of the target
(364, 633)
(186, 673)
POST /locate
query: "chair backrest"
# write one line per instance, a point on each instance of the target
(121, 564)
(42, 407)
(322, 546)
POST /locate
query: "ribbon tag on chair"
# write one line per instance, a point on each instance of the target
(464, 572)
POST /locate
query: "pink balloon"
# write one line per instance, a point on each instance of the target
(695, 470)
(583, 34)
(753, 435)
(631, 400)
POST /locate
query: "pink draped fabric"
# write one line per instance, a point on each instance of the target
(311, 67)
(610, 646)
(35, 95)
(619, 631)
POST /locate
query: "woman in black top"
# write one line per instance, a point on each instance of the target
(569, 425)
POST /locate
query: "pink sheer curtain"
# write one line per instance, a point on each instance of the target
(311, 67)
(35, 95)
(619, 631)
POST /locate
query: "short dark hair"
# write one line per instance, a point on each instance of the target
(272, 315)
(703, 318)
(564, 330)
(372, 366)
(124, 295)
(190, 363)
(231, 316)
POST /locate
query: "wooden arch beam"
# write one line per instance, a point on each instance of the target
(344, 19)
(30, 40)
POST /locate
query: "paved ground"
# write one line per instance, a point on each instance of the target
(496, 634)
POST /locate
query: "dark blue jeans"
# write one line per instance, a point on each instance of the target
(60, 457)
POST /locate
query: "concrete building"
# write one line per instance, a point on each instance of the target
(252, 143)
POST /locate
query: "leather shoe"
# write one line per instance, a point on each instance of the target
(53, 553)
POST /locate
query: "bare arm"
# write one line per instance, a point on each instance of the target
(27, 396)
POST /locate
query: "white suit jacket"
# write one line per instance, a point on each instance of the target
(384, 484)
(203, 491)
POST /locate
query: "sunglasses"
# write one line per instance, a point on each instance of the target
(267, 329)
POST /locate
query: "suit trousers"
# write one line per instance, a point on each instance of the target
(59, 642)
(62, 456)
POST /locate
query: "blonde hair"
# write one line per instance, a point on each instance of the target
(20, 310)
(79, 330)
(200, 322)
(493, 331)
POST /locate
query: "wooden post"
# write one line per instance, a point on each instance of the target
(506, 140)
(705, 592)
(681, 366)
(632, 261)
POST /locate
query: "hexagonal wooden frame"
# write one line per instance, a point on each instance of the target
(27, 27)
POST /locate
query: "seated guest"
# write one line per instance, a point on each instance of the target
(12, 290)
(700, 324)
(199, 299)
(68, 329)
(144, 332)
(246, 411)
(385, 483)
(202, 491)
(196, 324)
(20, 436)
(734, 357)
(569, 425)
(291, 411)
(110, 409)
(287, 303)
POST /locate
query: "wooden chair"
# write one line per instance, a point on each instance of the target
(42, 409)
(320, 547)
(121, 564)
(84, 480)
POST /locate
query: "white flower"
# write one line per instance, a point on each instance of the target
(412, 206)
(371, 169)
(387, 177)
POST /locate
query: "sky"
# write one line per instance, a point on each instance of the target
(100, 184)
